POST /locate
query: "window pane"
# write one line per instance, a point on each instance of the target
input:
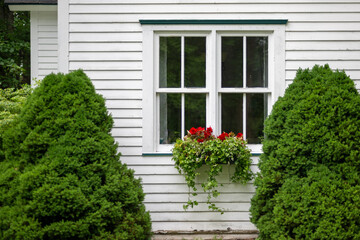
(195, 110)
(232, 112)
(170, 117)
(195, 61)
(256, 61)
(256, 109)
(170, 62)
(232, 62)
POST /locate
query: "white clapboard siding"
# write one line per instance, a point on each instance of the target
(183, 188)
(208, 225)
(169, 169)
(178, 207)
(107, 66)
(105, 40)
(127, 123)
(126, 132)
(44, 45)
(133, 18)
(121, 94)
(210, 8)
(130, 104)
(105, 56)
(106, 37)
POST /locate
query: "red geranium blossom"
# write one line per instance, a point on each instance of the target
(223, 136)
(193, 131)
(200, 129)
(239, 135)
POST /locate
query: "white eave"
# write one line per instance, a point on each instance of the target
(32, 5)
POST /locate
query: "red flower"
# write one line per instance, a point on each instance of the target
(239, 135)
(200, 129)
(200, 140)
(223, 136)
(193, 131)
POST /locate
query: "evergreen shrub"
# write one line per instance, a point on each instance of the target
(61, 177)
(11, 101)
(308, 185)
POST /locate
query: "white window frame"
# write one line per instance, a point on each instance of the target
(214, 32)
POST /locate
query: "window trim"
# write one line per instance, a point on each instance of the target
(275, 31)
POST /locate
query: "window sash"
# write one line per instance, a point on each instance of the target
(183, 90)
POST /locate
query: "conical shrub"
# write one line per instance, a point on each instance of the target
(311, 161)
(62, 177)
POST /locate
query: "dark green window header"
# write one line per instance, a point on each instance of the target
(213, 21)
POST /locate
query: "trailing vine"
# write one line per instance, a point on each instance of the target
(201, 148)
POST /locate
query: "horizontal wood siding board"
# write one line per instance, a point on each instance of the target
(215, 8)
(166, 188)
(165, 178)
(210, 225)
(199, 216)
(201, 226)
(227, 172)
(311, 45)
(201, 197)
(126, 132)
(157, 160)
(122, 94)
(170, 154)
(302, 17)
(178, 207)
(212, 21)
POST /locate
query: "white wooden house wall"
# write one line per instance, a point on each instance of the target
(44, 43)
(104, 38)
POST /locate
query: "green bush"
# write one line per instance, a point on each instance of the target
(312, 136)
(61, 177)
(11, 101)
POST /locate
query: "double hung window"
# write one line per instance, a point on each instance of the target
(219, 78)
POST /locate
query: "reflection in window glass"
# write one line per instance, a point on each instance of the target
(231, 62)
(232, 112)
(256, 61)
(195, 111)
(195, 61)
(170, 62)
(170, 117)
(256, 109)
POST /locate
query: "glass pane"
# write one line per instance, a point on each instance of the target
(170, 117)
(232, 112)
(195, 111)
(170, 62)
(256, 109)
(256, 61)
(231, 62)
(195, 61)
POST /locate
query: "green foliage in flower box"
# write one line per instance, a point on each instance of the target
(61, 177)
(309, 181)
(201, 148)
